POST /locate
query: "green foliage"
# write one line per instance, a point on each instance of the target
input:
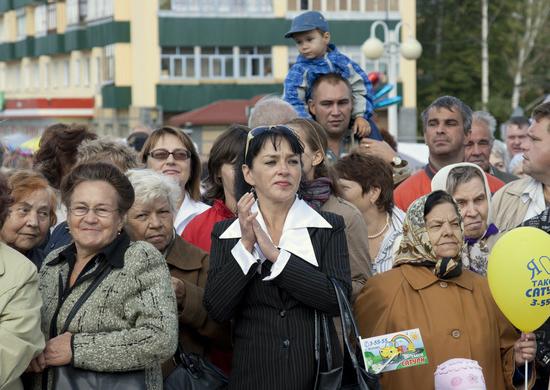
(450, 33)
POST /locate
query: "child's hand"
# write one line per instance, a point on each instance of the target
(361, 127)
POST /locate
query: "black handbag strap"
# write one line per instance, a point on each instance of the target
(85, 295)
(349, 327)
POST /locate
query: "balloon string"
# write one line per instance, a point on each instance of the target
(526, 377)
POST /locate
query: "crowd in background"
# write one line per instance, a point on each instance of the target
(119, 256)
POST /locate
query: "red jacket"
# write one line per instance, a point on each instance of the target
(198, 231)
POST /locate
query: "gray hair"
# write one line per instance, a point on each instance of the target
(271, 110)
(450, 103)
(107, 150)
(461, 175)
(150, 186)
(499, 150)
(488, 119)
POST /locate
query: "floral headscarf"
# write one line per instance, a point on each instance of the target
(416, 248)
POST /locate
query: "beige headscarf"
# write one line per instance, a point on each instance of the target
(416, 248)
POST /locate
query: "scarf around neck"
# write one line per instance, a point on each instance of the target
(416, 248)
(316, 192)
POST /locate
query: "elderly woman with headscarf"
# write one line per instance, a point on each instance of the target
(151, 219)
(468, 185)
(452, 307)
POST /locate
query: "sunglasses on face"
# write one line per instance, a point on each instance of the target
(178, 154)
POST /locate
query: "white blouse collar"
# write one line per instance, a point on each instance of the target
(295, 238)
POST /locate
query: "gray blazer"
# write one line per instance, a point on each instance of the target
(128, 323)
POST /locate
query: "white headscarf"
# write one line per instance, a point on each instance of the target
(439, 182)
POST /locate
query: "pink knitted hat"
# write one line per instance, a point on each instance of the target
(459, 374)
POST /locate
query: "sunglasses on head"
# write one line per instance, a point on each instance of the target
(264, 129)
(178, 154)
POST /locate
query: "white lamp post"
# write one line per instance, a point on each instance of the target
(373, 49)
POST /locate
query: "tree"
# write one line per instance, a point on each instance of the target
(450, 33)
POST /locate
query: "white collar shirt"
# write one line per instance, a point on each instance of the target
(534, 194)
(294, 240)
(189, 209)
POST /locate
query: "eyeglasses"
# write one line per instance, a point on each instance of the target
(263, 129)
(178, 154)
(102, 212)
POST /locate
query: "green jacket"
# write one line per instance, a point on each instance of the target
(20, 336)
(128, 323)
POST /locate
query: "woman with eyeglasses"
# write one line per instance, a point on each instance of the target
(30, 216)
(108, 303)
(270, 268)
(171, 152)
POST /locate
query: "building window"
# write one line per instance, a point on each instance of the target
(177, 62)
(2, 30)
(217, 6)
(344, 5)
(255, 62)
(21, 19)
(36, 75)
(98, 70)
(66, 73)
(215, 62)
(76, 11)
(40, 21)
(76, 73)
(98, 9)
(86, 72)
(52, 17)
(109, 63)
(46, 75)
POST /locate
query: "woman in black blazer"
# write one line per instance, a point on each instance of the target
(269, 268)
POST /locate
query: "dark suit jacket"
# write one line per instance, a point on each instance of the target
(274, 322)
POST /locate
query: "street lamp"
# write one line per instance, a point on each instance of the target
(373, 49)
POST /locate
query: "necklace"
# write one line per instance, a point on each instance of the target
(383, 229)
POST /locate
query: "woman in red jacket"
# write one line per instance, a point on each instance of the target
(219, 186)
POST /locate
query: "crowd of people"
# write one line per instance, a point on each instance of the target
(116, 257)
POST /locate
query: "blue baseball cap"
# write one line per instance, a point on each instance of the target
(307, 21)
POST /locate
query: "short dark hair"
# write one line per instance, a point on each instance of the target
(439, 197)
(99, 171)
(450, 103)
(56, 154)
(193, 185)
(542, 111)
(330, 78)
(368, 171)
(5, 199)
(256, 140)
(227, 149)
(519, 121)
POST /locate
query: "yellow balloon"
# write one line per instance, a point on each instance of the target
(519, 277)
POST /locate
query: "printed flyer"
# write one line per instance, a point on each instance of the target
(394, 351)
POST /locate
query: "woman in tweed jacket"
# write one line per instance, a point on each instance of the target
(129, 322)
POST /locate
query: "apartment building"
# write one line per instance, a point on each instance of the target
(118, 63)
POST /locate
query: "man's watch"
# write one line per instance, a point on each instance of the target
(396, 161)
